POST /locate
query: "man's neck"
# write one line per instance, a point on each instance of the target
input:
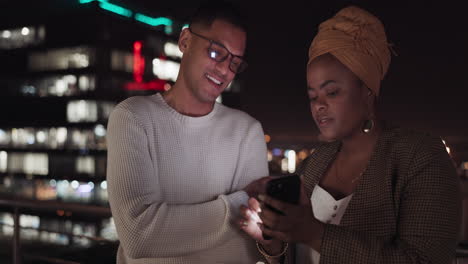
(185, 103)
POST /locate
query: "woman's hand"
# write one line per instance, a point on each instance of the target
(249, 223)
(297, 225)
(257, 187)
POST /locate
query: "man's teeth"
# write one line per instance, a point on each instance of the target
(213, 79)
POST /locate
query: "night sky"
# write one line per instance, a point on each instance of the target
(425, 88)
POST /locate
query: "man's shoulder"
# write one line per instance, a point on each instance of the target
(235, 115)
(138, 105)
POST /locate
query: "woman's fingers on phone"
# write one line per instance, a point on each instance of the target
(277, 204)
(274, 233)
(303, 197)
(271, 218)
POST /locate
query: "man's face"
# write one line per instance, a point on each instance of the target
(204, 77)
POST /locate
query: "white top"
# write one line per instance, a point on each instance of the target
(327, 210)
(174, 182)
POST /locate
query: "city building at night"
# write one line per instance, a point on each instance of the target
(62, 72)
(63, 69)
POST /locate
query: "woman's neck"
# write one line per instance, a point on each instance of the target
(361, 142)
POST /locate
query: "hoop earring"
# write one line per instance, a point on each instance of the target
(368, 126)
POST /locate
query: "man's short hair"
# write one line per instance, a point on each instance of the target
(210, 10)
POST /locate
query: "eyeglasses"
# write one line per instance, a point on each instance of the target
(219, 53)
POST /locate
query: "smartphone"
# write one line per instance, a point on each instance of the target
(286, 189)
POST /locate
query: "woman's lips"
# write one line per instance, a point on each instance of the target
(324, 121)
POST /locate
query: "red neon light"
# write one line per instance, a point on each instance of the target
(137, 45)
(157, 85)
(138, 62)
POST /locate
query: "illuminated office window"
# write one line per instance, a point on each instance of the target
(8, 223)
(284, 165)
(105, 109)
(3, 161)
(45, 189)
(29, 221)
(87, 83)
(52, 86)
(171, 49)
(75, 191)
(166, 69)
(291, 156)
(85, 165)
(22, 137)
(42, 136)
(21, 37)
(82, 111)
(36, 163)
(122, 61)
(29, 163)
(79, 138)
(64, 85)
(32, 223)
(88, 111)
(57, 137)
(5, 137)
(100, 132)
(61, 59)
(108, 229)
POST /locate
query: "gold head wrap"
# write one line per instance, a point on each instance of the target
(357, 39)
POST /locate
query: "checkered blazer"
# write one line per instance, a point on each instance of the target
(406, 208)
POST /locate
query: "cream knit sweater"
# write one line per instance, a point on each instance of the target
(174, 182)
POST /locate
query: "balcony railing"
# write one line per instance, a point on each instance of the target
(19, 205)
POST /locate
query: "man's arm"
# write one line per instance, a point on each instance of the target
(147, 226)
(252, 162)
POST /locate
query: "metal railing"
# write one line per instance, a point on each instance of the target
(21, 204)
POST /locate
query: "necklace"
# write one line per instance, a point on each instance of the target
(353, 180)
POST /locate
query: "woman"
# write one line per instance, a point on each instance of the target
(371, 193)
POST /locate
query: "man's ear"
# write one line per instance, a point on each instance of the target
(184, 39)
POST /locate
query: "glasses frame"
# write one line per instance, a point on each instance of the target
(243, 64)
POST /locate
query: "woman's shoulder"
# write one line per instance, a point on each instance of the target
(411, 137)
(413, 144)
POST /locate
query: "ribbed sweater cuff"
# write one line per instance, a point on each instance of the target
(235, 200)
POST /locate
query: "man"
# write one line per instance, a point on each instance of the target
(179, 163)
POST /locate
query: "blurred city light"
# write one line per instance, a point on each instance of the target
(115, 9)
(172, 49)
(291, 161)
(153, 21)
(25, 31)
(6, 34)
(166, 69)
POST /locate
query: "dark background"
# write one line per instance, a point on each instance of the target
(425, 88)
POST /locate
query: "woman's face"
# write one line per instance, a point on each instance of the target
(339, 101)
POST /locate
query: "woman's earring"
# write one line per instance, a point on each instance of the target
(368, 126)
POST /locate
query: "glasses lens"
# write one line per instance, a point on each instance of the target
(237, 65)
(217, 52)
